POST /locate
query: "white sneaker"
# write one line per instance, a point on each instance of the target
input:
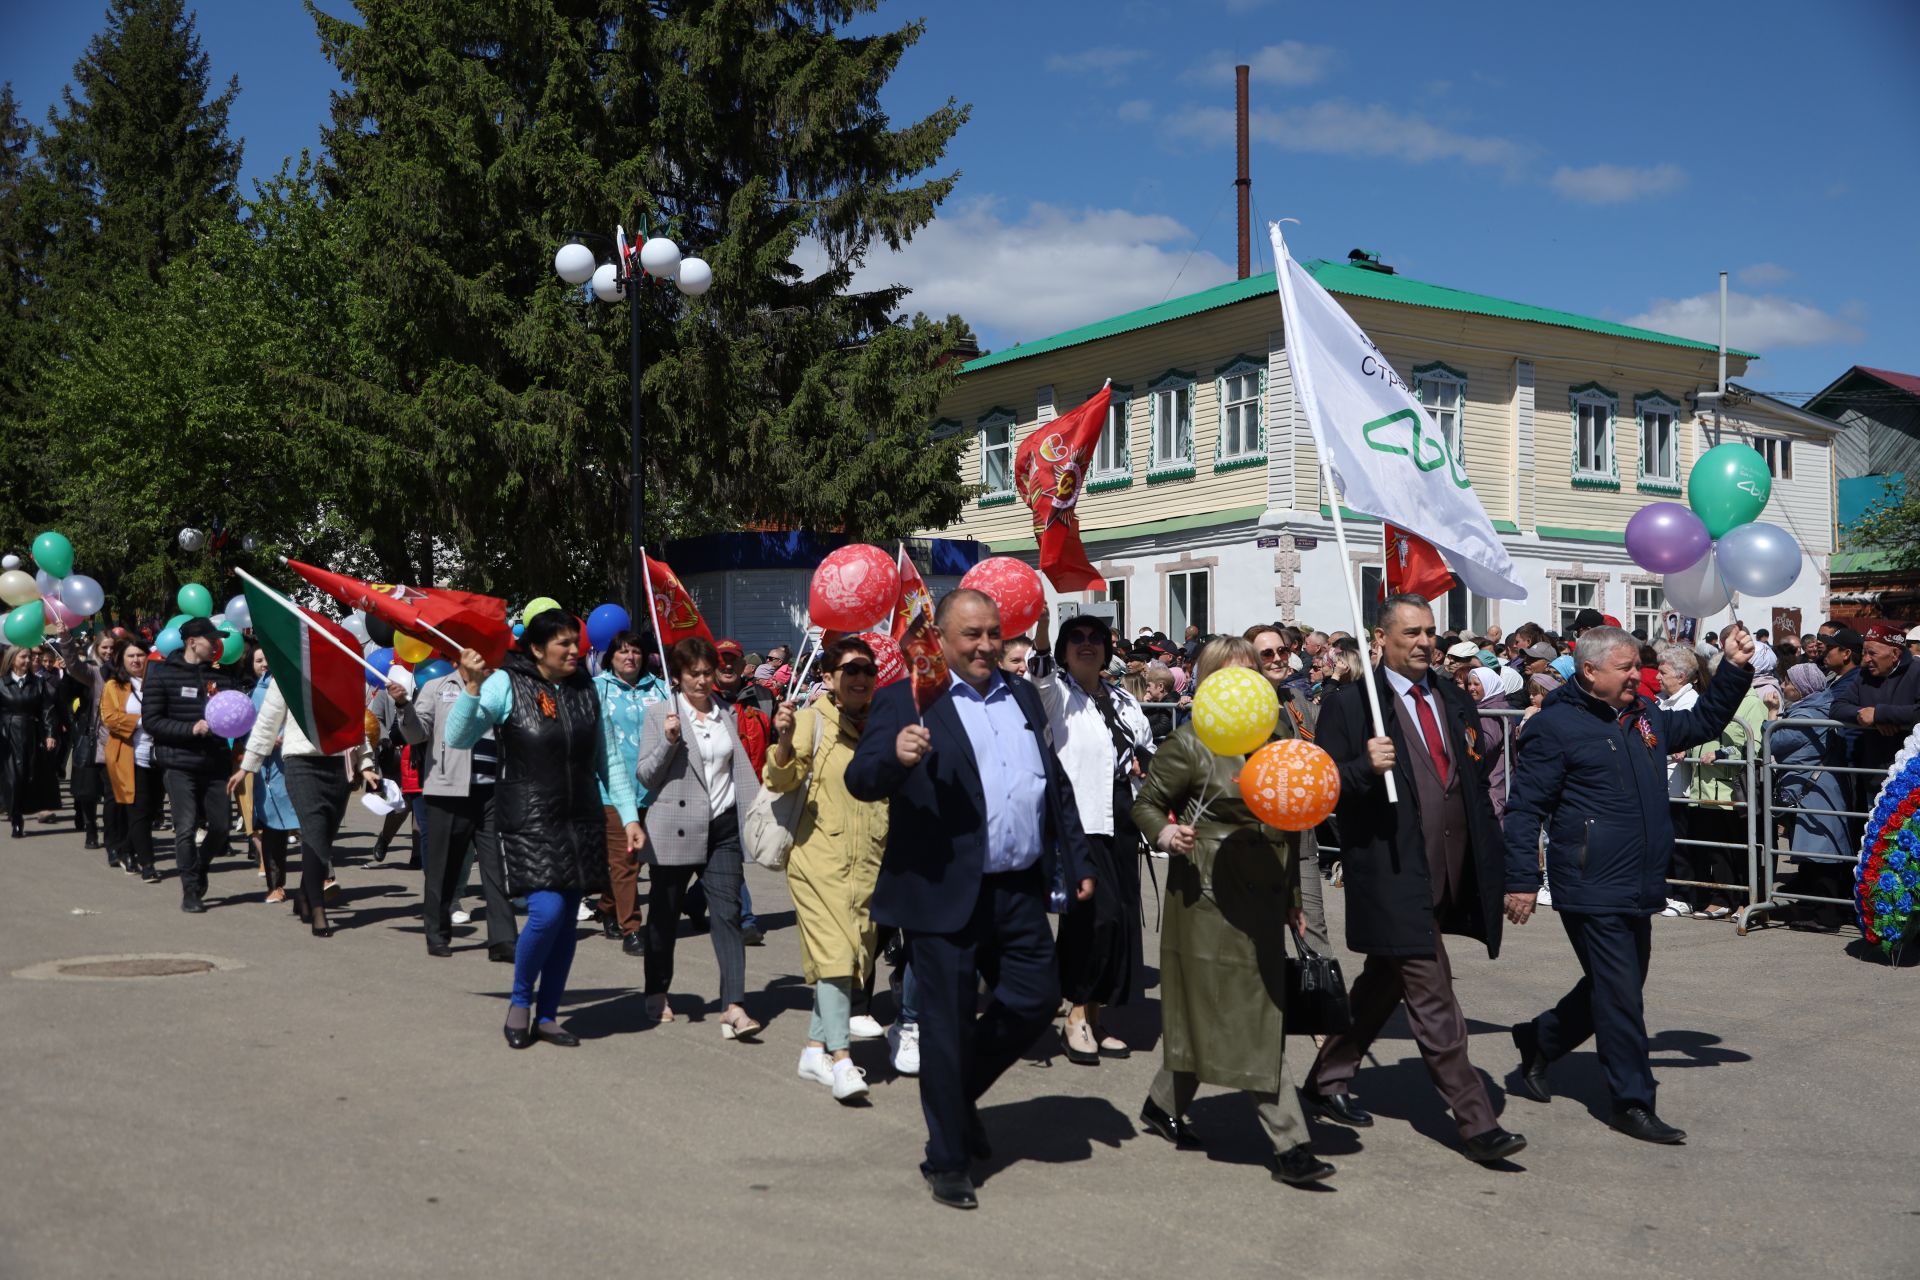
(1675, 907)
(849, 1081)
(461, 917)
(585, 913)
(903, 1044)
(864, 1027)
(816, 1066)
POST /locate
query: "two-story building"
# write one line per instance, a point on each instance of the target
(1205, 502)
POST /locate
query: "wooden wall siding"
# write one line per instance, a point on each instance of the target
(1525, 443)
(1803, 505)
(1280, 425)
(1893, 441)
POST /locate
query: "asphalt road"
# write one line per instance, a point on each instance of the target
(347, 1107)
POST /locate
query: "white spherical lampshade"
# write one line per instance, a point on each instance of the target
(574, 263)
(606, 284)
(660, 257)
(696, 277)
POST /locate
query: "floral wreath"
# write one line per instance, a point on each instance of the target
(1886, 880)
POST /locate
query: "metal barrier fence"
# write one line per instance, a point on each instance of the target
(1757, 854)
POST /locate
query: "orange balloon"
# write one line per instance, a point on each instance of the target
(1290, 784)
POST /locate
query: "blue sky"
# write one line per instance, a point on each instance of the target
(1603, 160)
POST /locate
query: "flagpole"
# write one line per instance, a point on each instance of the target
(316, 628)
(653, 615)
(1359, 622)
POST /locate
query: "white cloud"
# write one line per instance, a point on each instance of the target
(1616, 183)
(1756, 322)
(1336, 127)
(1106, 58)
(1134, 110)
(1019, 279)
(1288, 63)
(1761, 275)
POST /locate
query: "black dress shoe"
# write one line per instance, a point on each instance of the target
(1340, 1108)
(1078, 1057)
(439, 949)
(93, 842)
(951, 1187)
(634, 945)
(192, 905)
(1493, 1145)
(978, 1145)
(149, 875)
(1300, 1166)
(609, 928)
(1639, 1122)
(552, 1033)
(753, 936)
(518, 1037)
(1175, 1129)
(1531, 1079)
(501, 953)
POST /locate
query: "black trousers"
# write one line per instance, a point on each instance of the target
(1007, 942)
(455, 823)
(273, 853)
(138, 818)
(1607, 1003)
(196, 797)
(318, 787)
(113, 826)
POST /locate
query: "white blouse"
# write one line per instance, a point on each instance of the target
(711, 742)
(142, 744)
(1084, 744)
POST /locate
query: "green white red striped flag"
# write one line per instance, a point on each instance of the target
(324, 684)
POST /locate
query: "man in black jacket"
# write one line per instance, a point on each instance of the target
(1592, 771)
(1884, 701)
(1429, 864)
(173, 711)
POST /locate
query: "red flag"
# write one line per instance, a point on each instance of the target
(465, 619)
(1049, 469)
(913, 595)
(926, 662)
(1414, 566)
(675, 615)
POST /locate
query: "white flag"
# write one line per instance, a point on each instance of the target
(1388, 457)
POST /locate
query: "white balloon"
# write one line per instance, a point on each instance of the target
(46, 582)
(16, 588)
(574, 263)
(239, 612)
(606, 283)
(696, 277)
(1697, 591)
(10, 562)
(1758, 558)
(356, 625)
(191, 539)
(660, 258)
(82, 594)
(249, 543)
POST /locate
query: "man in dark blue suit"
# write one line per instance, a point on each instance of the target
(981, 817)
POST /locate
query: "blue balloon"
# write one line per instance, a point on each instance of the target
(169, 642)
(382, 661)
(604, 623)
(431, 669)
(519, 629)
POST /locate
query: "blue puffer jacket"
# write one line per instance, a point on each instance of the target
(1599, 788)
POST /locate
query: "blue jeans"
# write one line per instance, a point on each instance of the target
(909, 994)
(748, 920)
(545, 951)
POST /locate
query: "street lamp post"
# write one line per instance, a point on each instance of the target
(618, 281)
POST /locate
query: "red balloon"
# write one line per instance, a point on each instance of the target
(1015, 587)
(854, 587)
(887, 655)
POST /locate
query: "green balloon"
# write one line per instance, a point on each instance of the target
(178, 620)
(1728, 486)
(52, 552)
(232, 645)
(195, 601)
(26, 626)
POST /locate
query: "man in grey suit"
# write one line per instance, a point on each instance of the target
(458, 788)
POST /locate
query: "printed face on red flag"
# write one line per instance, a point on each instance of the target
(926, 661)
(1050, 471)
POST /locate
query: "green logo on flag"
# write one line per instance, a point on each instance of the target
(1428, 451)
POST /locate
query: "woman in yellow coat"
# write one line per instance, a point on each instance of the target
(836, 855)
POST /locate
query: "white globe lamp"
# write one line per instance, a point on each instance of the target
(574, 263)
(660, 258)
(696, 277)
(606, 283)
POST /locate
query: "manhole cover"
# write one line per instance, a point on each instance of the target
(116, 968)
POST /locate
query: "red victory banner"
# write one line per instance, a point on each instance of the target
(448, 620)
(913, 596)
(1414, 566)
(1050, 470)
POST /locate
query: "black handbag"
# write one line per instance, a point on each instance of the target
(1316, 993)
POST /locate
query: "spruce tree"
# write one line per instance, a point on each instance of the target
(472, 135)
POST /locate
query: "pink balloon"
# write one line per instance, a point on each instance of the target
(887, 655)
(55, 609)
(1015, 587)
(854, 587)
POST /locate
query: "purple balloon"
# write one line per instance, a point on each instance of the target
(229, 714)
(1665, 537)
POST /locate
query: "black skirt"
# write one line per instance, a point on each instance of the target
(1099, 950)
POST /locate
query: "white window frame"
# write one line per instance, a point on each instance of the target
(1437, 376)
(1115, 593)
(1171, 424)
(1177, 629)
(1646, 617)
(1112, 466)
(1648, 408)
(1778, 451)
(1252, 447)
(993, 421)
(1603, 409)
(1586, 595)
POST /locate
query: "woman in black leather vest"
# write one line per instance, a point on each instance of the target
(555, 750)
(26, 739)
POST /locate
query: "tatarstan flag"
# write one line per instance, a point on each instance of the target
(324, 685)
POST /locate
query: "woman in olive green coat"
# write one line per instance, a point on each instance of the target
(1232, 887)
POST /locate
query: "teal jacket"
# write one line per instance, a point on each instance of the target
(623, 709)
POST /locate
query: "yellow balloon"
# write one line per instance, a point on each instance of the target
(1234, 711)
(17, 587)
(538, 607)
(410, 650)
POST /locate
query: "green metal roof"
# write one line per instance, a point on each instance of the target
(1336, 277)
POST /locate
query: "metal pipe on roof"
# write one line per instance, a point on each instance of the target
(1242, 183)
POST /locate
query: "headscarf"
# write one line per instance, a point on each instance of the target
(1488, 682)
(1563, 665)
(1764, 659)
(1806, 677)
(1179, 679)
(1511, 681)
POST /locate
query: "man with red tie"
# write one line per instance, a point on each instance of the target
(1432, 863)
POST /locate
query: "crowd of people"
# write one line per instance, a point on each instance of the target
(931, 846)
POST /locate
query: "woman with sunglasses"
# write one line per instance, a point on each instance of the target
(836, 855)
(1103, 741)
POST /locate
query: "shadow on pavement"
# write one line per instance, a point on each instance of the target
(1050, 1130)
